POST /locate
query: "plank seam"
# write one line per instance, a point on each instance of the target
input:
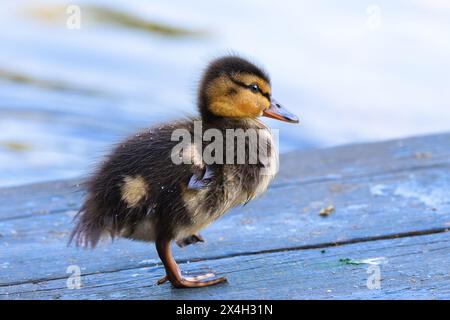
(232, 255)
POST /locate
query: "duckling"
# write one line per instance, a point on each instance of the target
(151, 189)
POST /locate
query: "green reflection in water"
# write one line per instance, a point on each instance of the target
(97, 14)
(17, 77)
(16, 146)
(127, 20)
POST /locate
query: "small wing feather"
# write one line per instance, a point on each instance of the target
(201, 180)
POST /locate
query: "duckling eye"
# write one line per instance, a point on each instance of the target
(254, 88)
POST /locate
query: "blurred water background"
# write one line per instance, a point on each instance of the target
(352, 70)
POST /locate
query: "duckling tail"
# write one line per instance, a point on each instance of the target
(90, 226)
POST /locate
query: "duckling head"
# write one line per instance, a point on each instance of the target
(233, 87)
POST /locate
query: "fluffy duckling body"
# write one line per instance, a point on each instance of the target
(152, 188)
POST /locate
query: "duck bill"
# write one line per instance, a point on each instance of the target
(276, 111)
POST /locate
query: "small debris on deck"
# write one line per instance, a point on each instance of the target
(423, 155)
(325, 212)
(370, 261)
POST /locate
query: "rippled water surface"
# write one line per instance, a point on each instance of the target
(352, 71)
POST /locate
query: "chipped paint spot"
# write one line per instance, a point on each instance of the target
(149, 261)
(378, 190)
(434, 198)
(357, 207)
(375, 261)
(333, 176)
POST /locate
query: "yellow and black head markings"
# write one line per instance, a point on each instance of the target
(141, 193)
(133, 190)
(238, 95)
(249, 81)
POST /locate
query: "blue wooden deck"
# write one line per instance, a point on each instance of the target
(391, 218)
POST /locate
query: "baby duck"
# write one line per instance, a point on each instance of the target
(153, 188)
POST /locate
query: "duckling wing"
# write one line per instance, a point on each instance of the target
(201, 179)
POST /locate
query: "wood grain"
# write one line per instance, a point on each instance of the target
(380, 192)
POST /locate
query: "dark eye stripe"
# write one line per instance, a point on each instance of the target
(265, 94)
(241, 84)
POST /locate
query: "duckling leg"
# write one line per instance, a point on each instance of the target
(189, 240)
(173, 273)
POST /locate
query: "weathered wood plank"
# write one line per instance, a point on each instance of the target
(39, 199)
(366, 206)
(331, 164)
(378, 190)
(263, 225)
(366, 159)
(410, 268)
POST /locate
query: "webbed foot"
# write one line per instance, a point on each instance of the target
(189, 240)
(173, 273)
